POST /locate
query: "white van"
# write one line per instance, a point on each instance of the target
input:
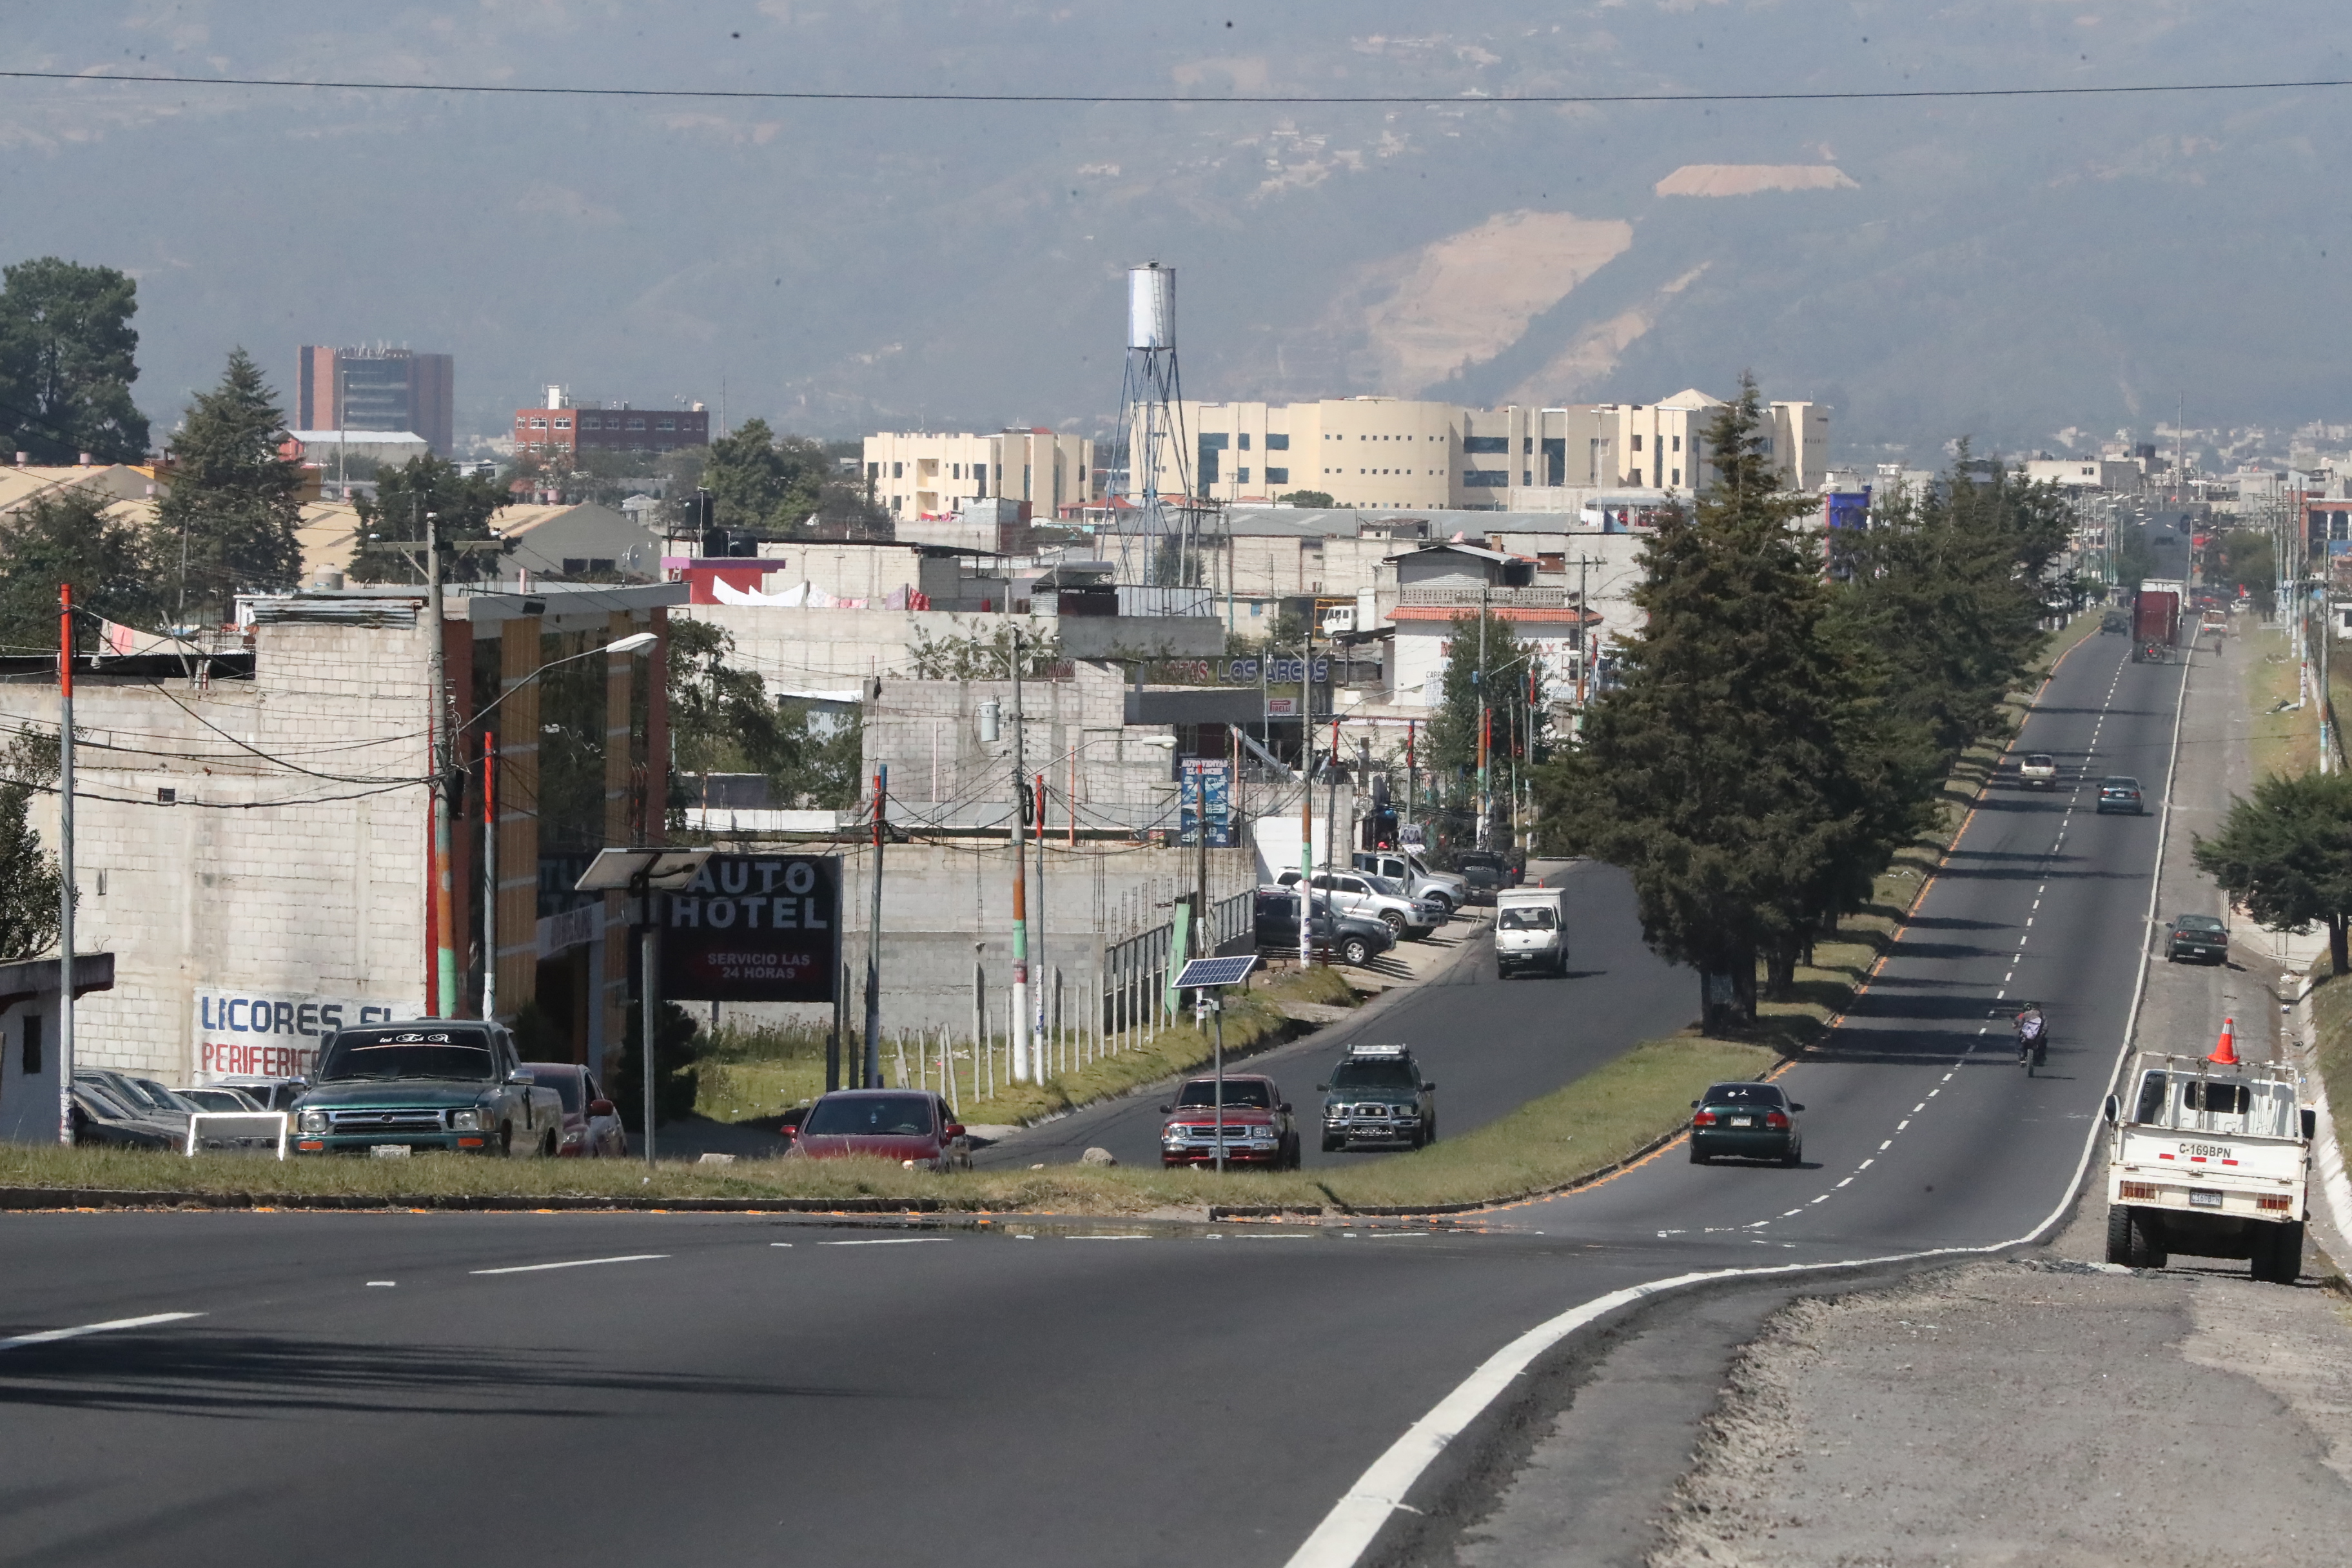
(1531, 929)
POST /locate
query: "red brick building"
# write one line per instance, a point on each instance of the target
(611, 428)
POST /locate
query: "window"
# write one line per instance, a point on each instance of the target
(1241, 475)
(1216, 440)
(1277, 441)
(1636, 477)
(539, 423)
(1527, 475)
(897, 471)
(589, 422)
(1277, 476)
(665, 424)
(1242, 441)
(1637, 442)
(1678, 443)
(1486, 479)
(563, 425)
(1526, 445)
(1678, 476)
(636, 423)
(1485, 442)
(32, 1044)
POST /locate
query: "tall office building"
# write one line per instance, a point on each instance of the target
(376, 388)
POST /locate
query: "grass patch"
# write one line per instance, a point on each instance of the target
(2278, 741)
(2331, 1024)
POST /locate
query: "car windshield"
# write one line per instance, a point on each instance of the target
(409, 1052)
(2040, 759)
(1482, 859)
(1539, 918)
(96, 1098)
(869, 1116)
(1388, 885)
(2118, 783)
(217, 1098)
(561, 1076)
(2198, 923)
(1377, 1074)
(1256, 1093)
(1743, 1094)
(140, 1095)
(160, 1098)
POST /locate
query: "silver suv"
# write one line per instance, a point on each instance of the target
(1356, 893)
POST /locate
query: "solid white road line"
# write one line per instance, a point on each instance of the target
(575, 1263)
(885, 1241)
(113, 1325)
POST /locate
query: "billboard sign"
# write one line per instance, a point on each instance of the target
(754, 928)
(1212, 782)
(242, 1032)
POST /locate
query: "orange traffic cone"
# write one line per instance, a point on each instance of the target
(2226, 1052)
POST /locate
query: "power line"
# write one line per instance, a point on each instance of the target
(1270, 100)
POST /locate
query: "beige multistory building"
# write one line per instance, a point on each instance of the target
(1382, 453)
(917, 474)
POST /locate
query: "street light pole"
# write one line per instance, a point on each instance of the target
(1019, 1023)
(65, 863)
(1485, 728)
(445, 952)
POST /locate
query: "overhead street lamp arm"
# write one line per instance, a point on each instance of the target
(635, 642)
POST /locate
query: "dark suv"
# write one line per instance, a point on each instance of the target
(1353, 939)
(1377, 1098)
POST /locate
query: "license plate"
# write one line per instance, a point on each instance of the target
(1743, 1121)
(2204, 1200)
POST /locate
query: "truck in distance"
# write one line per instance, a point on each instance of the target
(2209, 1157)
(1531, 930)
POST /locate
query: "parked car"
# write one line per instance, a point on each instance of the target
(214, 1097)
(2196, 939)
(899, 1124)
(102, 1115)
(1361, 893)
(144, 1098)
(1751, 1120)
(591, 1129)
(1407, 867)
(1352, 939)
(425, 1083)
(2038, 771)
(2119, 792)
(1376, 1098)
(268, 1093)
(1259, 1128)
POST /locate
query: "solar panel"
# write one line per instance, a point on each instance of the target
(1206, 971)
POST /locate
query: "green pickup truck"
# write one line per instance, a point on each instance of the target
(426, 1083)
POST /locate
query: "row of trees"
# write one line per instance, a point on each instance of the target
(1783, 723)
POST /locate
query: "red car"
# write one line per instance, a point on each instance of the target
(888, 1123)
(1258, 1127)
(591, 1129)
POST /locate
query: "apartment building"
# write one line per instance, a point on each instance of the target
(919, 474)
(1399, 453)
(379, 388)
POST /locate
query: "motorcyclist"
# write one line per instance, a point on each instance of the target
(2032, 1030)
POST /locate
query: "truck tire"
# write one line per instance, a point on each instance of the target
(1331, 1145)
(2278, 1253)
(2119, 1236)
(547, 1144)
(2146, 1249)
(1395, 922)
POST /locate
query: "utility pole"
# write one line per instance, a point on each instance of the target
(445, 952)
(1043, 991)
(871, 1074)
(1305, 802)
(65, 863)
(1020, 1020)
(1485, 726)
(489, 875)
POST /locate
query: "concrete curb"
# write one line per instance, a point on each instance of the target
(33, 1198)
(2327, 1152)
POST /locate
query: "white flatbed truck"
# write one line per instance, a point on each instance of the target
(2211, 1160)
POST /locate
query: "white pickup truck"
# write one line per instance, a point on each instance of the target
(2210, 1160)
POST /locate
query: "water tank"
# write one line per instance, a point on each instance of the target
(1152, 307)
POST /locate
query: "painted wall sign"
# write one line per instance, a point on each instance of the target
(754, 928)
(250, 1033)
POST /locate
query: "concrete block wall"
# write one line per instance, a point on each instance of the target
(261, 874)
(1072, 732)
(793, 649)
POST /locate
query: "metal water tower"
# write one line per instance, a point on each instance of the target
(1157, 543)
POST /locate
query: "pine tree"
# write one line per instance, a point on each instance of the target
(66, 363)
(226, 527)
(461, 506)
(1732, 770)
(69, 537)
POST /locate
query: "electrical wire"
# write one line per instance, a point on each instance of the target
(1294, 100)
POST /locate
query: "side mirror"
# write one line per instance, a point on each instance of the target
(602, 1108)
(955, 1129)
(2113, 1110)
(1166, 1109)
(1693, 1105)
(521, 1075)
(1285, 1108)
(1322, 1089)
(1794, 1106)
(1428, 1086)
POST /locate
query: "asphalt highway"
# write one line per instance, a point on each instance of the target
(1490, 1046)
(623, 1389)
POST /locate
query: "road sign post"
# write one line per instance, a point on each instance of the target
(1201, 976)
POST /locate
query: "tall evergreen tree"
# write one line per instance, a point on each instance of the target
(2286, 857)
(1732, 770)
(66, 363)
(227, 524)
(763, 482)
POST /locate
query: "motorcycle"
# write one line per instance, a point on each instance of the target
(2032, 1039)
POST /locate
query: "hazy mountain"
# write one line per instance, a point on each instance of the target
(2006, 267)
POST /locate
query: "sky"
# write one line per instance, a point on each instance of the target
(2031, 274)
